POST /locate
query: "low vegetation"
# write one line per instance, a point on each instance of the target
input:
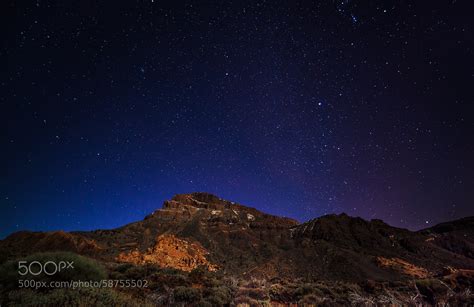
(83, 268)
(170, 287)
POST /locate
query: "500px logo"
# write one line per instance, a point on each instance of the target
(48, 268)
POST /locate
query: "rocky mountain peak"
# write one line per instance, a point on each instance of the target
(198, 200)
(192, 203)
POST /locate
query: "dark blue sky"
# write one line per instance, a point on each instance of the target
(296, 108)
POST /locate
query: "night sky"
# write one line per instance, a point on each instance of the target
(297, 108)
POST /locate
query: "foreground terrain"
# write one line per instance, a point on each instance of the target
(202, 250)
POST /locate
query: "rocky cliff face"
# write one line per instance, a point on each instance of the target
(170, 252)
(203, 230)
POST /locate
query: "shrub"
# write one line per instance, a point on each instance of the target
(170, 281)
(310, 300)
(218, 296)
(306, 289)
(138, 271)
(68, 297)
(205, 303)
(431, 288)
(199, 274)
(258, 294)
(186, 294)
(122, 268)
(84, 269)
(171, 271)
(256, 283)
(280, 293)
(327, 291)
(245, 301)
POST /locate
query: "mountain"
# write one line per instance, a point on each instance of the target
(456, 236)
(202, 231)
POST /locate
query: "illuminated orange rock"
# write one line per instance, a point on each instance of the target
(403, 267)
(170, 251)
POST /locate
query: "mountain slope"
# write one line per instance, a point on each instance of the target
(200, 229)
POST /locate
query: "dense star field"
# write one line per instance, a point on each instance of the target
(297, 108)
